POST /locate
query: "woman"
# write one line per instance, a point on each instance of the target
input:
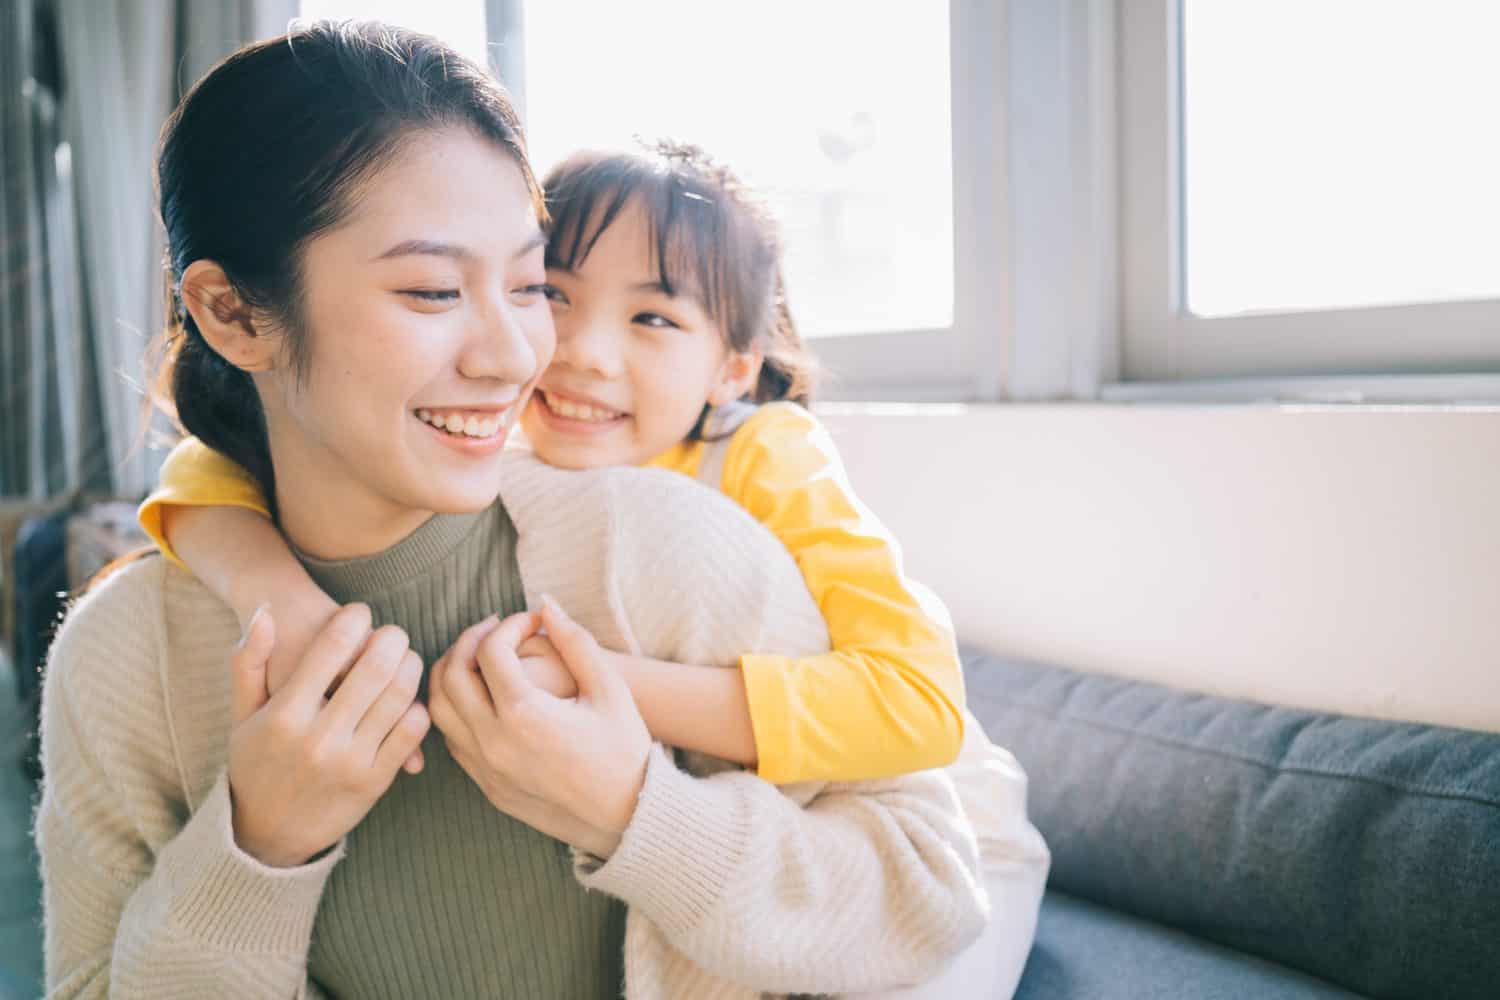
(355, 236)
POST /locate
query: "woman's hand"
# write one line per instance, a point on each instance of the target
(300, 615)
(301, 611)
(305, 768)
(571, 767)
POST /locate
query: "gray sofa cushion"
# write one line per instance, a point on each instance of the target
(1085, 951)
(1366, 853)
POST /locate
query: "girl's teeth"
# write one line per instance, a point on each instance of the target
(471, 427)
(455, 423)
(578, 411)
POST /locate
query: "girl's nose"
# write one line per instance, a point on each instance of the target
(589, 344)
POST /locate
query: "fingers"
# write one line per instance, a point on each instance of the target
(458, 659)
(467, 644)
(247, 666)
(516, 629)
(331, 652)
(498, 663)
(377, 666)
(439, 706)
(404, 739)
(467, 698)
(579, 652)
(390, 704)
(415, 762)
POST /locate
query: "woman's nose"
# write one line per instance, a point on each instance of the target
(498, 347)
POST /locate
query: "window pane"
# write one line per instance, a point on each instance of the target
(1339, 153)
(460, 23)
(838, 111)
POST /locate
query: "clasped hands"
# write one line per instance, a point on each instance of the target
(571, 767)
(530, 706)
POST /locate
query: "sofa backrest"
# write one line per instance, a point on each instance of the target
(1361, 851)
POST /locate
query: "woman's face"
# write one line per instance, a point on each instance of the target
(426, 323)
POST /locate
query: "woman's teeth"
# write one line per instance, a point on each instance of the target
(457, 423)
(579, 411)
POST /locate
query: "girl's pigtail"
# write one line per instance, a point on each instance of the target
(790, 370)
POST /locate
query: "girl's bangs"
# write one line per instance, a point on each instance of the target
(685, 227)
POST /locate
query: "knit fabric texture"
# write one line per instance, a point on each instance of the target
(734, 887)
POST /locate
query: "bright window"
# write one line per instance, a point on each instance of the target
(1339, 153)
(1308, 189)
(839, 111)
(460, 23)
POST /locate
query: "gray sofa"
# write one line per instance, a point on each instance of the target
(1212, 848)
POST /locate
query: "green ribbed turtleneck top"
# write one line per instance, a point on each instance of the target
(441, 894)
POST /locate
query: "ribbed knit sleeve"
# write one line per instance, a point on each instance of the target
(737, 886)
(863, 886)
(146, 895)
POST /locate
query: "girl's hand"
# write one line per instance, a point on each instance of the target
(582, 760)
(545, 667)
(304, 768)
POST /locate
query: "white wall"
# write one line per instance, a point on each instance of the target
(1345, 559)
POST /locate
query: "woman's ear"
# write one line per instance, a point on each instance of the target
(737, 377)
(234, 330)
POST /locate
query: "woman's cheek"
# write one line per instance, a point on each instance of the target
(542, 333)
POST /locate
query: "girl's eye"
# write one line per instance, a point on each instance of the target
(655, 320)
(432, 294)
(553, 293)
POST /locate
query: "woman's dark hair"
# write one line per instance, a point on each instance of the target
(712, 240)
(268, 151)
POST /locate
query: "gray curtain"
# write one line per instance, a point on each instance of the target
(45, 395)
(87, 85)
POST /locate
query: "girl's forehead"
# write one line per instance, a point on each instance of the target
(630, 247)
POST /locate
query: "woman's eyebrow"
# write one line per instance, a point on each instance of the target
(436, 248)
(432, 248)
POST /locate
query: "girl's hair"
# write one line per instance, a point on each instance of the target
(712, 238)
(268, 151)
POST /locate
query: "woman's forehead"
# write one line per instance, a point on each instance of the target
(450, 189)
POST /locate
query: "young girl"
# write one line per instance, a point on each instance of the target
(675, 349)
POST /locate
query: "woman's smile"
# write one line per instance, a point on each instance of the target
(476, 432)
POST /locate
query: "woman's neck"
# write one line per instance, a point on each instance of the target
(328, 513)
(334, 530)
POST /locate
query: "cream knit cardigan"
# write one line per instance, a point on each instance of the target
(735, 887)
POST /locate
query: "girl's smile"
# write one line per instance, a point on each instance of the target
(635, 365)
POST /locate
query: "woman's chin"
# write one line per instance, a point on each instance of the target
(465, 499)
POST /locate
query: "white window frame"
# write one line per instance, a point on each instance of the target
(958, 362)
(1370, 353)
(1068, 242)
(962, 361)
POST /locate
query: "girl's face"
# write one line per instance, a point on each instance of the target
(427, 322)
(634, 366)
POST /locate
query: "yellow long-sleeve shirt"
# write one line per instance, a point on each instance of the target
(888, 700)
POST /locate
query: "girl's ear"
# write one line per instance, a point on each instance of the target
(737, 376)
(235, 332)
